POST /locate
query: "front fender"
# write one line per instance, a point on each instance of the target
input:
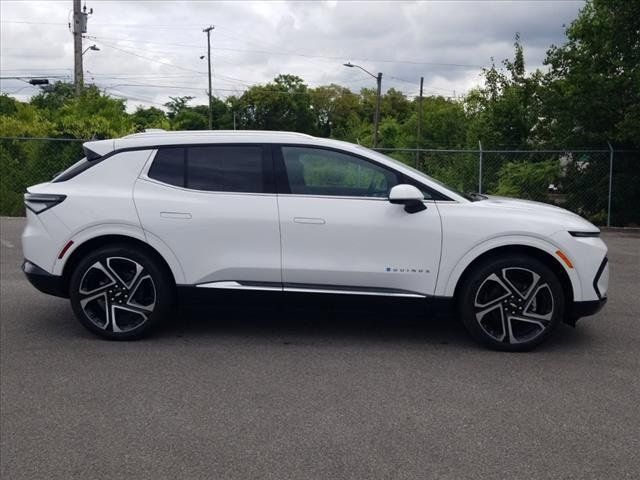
(447, 286)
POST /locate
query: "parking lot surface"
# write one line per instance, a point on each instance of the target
(303, 395)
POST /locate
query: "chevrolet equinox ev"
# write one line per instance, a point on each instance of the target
(143, 220)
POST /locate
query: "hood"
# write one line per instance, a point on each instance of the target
(538, 209)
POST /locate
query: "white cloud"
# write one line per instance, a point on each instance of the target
(157, 44)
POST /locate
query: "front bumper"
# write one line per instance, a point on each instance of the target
(43, 280)
(584, 309)
(600, 284)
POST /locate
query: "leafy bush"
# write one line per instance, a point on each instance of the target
(527, 180)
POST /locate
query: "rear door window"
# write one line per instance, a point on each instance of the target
(226, 168)
(215, 168)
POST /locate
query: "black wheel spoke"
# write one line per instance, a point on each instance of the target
(96, 292)
(134, 316)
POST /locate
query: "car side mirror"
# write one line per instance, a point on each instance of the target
(409, 196)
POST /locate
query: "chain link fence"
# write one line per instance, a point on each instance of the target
(601, 185)
(28, 161)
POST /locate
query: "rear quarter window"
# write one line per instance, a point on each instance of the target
(91, 158)
(169, 166)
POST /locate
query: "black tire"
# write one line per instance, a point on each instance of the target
(127, 282)
(512, 303)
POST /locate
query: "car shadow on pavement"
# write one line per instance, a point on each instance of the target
(305, 326)
(298, 326)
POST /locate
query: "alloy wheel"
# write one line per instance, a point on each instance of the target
(117, 294)
(514, 305)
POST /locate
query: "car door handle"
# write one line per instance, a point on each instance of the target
(313, 221)
(180, 215)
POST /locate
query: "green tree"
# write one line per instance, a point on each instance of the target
(151, 117)
(333, 107)
(8, 105)
(505, 111)
(284, 104)
(444, 124)
(591, 97)
(93, 114)
(54, 96)
(176, 105)
(191, 118)
(592, 92)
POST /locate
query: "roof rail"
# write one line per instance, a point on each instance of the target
(146, 132)
(160, 131)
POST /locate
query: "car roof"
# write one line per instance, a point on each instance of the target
(155, 137)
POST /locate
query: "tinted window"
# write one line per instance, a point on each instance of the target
(90, 159)
(226, 168)
(315, 171)
(168, 166)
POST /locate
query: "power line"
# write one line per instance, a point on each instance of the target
(102, 42)
(40, 69)
(146, 85)
(32, 23)
(116, 76)
(125, 25)
(124, 96)
(33, 76)
(305, 55)
(414, 83)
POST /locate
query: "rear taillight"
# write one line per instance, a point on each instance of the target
(39, 202)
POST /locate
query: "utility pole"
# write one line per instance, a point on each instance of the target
(419, 135)
(480, 167)
(208, 31)
(80, 17)
(376, 120)
(77, 46)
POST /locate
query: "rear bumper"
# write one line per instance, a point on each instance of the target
(43, 280)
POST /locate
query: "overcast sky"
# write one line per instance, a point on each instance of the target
(149, 50)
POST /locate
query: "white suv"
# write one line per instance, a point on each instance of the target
(146, 219)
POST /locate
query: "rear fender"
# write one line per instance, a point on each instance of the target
(124, 230)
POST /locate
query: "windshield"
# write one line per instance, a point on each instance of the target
(473, 197)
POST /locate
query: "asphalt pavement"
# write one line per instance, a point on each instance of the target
(244, 393)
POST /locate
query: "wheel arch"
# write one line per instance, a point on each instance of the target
(109, 239)
(568, 279)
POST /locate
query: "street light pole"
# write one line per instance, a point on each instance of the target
(208, 31)
(376, 117)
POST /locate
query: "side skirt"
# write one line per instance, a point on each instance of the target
(246, 295)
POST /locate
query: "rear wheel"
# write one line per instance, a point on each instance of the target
(120, 292)
(512, 303)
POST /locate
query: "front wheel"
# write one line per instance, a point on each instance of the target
(512, 303)
(120, 292)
